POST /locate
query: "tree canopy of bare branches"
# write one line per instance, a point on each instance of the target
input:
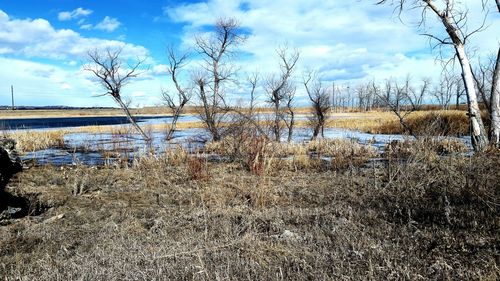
(403, 99)
(113, 74)
(177, 101)
(320, 102)
(281, 93)
(445, 90)
(216, 49)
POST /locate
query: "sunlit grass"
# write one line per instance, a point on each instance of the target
(28, 141)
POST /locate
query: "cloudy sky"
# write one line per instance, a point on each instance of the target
(43, 44)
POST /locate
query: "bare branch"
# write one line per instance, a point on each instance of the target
(112, 76)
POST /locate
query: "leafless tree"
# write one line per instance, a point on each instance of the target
(453, 18)
(402, 99)
(280, 93)
(217, 49)
(459, 91)
(244, 127)
(177, 101)
(289, 117)
(376, 92)
(245, 117)
(112, 74)
(320, 101)
(445, 90)
(483, 76)
(365, 96)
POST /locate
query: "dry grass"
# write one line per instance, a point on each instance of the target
(152, 221)
(427, 148)
(154, 127)
(261, 155)
(442, 123)
(362, 121)
(37, 140)
(28, 141)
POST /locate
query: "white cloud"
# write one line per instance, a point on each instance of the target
(38, 83)
(45, 84)
(345, 40)
(76, 13)
(159, 69)
(108, 24)
(65, 86)
(37, 38)
(86, 26)
(60, 81)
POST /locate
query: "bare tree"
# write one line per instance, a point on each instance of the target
(459, 91)
(177, 101)
(454, 22)
(445, 90)
(365, 96)
(320, 101)
(246, 116)
(402, 99)
(216, 51)
(289, 117)
(112, 74)
(280, 93)
(483, 76)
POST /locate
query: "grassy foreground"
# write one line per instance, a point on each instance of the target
(413, 216)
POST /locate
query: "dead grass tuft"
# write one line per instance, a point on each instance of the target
(28, 141)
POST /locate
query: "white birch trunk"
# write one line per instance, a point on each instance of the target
(478, 133)
(495, 104)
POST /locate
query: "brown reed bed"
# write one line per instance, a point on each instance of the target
(437, 123)
(29, 141)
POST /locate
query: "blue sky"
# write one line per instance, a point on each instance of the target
(43, 43)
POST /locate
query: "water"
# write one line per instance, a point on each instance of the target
(105, 148)
(72, 122)
(102, 148)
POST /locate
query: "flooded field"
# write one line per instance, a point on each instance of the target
(105, 148)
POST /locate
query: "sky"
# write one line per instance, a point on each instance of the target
(44, 44)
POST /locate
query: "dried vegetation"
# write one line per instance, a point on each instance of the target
(175, 216)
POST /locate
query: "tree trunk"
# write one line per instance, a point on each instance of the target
(277, 125)
(131, 119)
(478, 133)
(173, 125)
(290, 127)
(495, 104)
(316, 131)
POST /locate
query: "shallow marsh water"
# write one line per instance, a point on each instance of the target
(105, 148)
